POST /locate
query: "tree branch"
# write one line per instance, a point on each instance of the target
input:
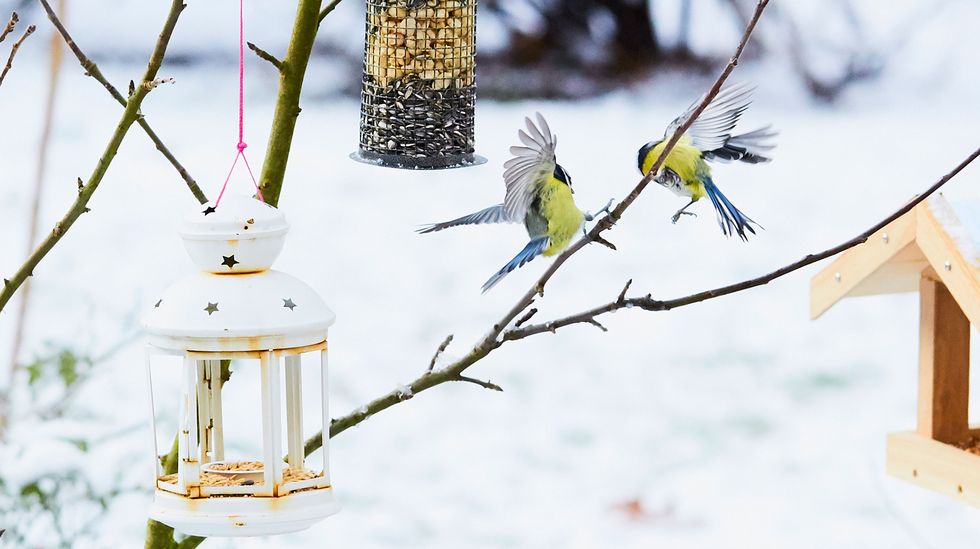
(291, 74)
(13, 51)
(265, 55)
(130, 114)
(439, 351)
(481, 383)
(326, 11)
(91, 69)
(14, 18)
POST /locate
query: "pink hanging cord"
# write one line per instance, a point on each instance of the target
(241, 110)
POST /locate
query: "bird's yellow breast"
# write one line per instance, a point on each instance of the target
(684, 159)
(564, 217)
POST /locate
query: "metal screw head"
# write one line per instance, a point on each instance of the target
(837, 277)
(884, 238)
(948, 266)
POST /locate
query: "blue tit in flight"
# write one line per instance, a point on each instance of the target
(538, 194)
(686, 172)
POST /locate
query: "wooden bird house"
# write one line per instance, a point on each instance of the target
(931, 250)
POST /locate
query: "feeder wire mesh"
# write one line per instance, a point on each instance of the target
(418, 89)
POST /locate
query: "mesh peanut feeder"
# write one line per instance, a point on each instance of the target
(418, 91)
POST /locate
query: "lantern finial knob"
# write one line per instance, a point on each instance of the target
(241, 235)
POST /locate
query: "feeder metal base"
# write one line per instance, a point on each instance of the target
(417, 163)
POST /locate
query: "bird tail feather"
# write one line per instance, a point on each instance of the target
(493, 214)
(730, 218)
(533, 249)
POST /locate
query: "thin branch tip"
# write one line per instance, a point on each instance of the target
(14, 18)
(152, 85)
(262, 54)
(599, 239)
(13, 49)
(485, 384)
(622, 294)
(597, 324)
(526, 317)
(442, 347)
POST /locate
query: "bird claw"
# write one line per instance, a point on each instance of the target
(605, 209)
(676, 216)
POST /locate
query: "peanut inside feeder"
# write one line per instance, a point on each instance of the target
(418, 91)
(242, 473)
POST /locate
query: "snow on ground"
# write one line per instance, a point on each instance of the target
(735, 423)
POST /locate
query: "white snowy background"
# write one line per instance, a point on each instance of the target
(733, 423)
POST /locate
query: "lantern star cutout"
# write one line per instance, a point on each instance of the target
(288, 303)
(209, 210)
(230, 261)
(211, 308)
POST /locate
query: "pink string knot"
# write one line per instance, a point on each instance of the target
(241, 146)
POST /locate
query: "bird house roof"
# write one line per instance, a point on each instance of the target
(934, 239)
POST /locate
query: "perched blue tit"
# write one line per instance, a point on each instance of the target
(686, 172)
(538, 194)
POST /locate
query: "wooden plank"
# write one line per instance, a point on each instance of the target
(899, 275)
(957, 272)
(944, 364)
(935, 466)
(855, 266)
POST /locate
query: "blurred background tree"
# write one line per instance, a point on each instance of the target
(582, 48)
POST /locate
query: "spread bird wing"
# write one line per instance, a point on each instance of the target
(752, 147)
(493, 214)
(530, 166)
(714, 127)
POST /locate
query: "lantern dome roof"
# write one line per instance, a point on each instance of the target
(237, 303)
(244, 312)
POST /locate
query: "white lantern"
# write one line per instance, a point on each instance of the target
(239, 310)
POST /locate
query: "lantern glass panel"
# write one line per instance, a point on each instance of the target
(242, 416)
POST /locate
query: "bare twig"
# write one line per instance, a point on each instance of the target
(481, 383)
(266, 55)
(152, 85)
(326, 11)
(597, 324)
(13, 51)
(91, 69)
(622, 294)
(439, 351)
(80, 205)
(527, 316)
(14, 18)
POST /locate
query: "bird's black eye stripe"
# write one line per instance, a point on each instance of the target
(643, 152)
(561, 175)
